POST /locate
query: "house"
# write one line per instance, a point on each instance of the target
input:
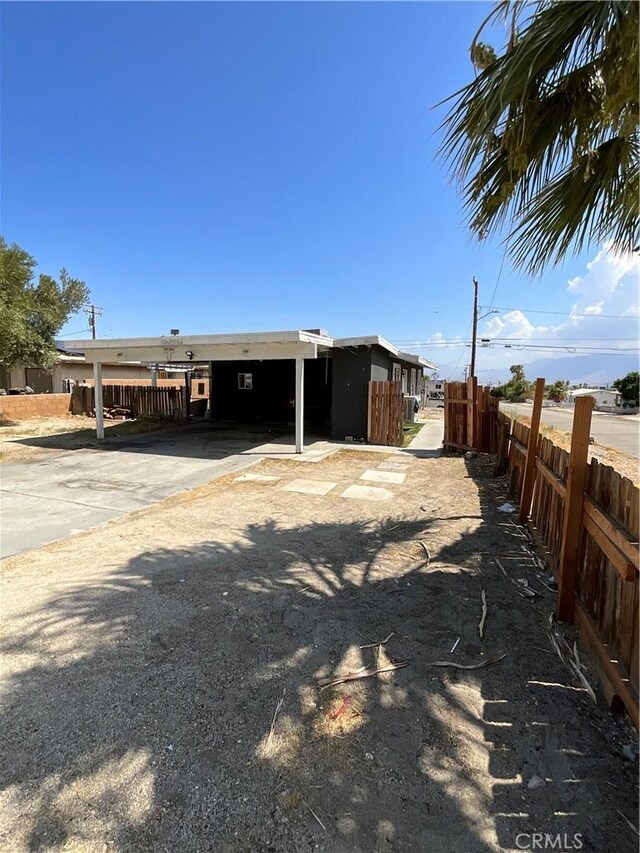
(294, 377)
(336, 386)
(602, 397)
(434, 393)
(356, 361)
(69, 365)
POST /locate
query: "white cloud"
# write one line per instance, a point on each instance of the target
(609, 285)
(608, 272)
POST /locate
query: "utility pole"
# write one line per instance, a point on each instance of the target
(93, 311)
(472, 371)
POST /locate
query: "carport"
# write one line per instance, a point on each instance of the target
(197, 350)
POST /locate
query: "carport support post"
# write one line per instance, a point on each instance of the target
(97, 393)
(154, 377)
(299, 404)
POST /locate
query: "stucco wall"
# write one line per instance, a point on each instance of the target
(82, 372)
(350, 392)
(352, 370)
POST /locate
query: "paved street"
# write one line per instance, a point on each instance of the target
(621, 432)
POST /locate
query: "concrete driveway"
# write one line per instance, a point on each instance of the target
(43, 501)
(74, 491)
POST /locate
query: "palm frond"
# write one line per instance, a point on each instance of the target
(590, 203)
(552, 112)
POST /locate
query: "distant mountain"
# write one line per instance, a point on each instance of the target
(592, 369)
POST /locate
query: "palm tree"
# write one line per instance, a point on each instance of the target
(544, 141)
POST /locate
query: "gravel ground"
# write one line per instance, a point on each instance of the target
(160, 679)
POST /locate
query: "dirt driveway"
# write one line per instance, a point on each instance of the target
(161, 676)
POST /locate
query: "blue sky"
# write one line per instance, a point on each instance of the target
(235, 167)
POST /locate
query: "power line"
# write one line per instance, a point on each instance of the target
(528, 345)
(553, 338)
(458, 341)
(462, 348)
(571, 313)
(495, 289)
(562, 343)
(69, 334)
(426, 344)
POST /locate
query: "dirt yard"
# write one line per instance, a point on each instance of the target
(161, 677)
(71, 432)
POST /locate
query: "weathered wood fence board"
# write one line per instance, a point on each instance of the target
(143, 401)
(470, 417)
(606, 583)
(385, 413)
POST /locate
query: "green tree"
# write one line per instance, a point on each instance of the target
(32, 313)
(516, 389)
(557, 391)
(544, 141)
(629, 386)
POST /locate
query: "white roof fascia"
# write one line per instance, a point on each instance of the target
(65, 358)
(366, 341)
(418, 359)
(376, 340)
(163, 341)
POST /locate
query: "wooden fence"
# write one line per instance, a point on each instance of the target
(470, 417)
(141, 401)
(385, 413)
(585, 517)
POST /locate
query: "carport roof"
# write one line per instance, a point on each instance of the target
(295, 336)
(235, 346)
(244, 345)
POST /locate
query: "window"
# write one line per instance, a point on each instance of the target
(200, 389)
(396, 373)
(245, 381)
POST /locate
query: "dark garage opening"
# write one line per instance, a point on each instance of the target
(264, 392)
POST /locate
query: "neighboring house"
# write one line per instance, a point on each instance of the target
(73, 368)
(434, 389)
(608, 397)
(433, 395)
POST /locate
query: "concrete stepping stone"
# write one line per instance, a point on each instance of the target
(257, 478)
(375, 476)
(367, 493)
(309, 487)
(392, 466)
